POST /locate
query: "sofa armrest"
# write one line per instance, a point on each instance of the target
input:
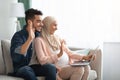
(96, 64)
(75, 48)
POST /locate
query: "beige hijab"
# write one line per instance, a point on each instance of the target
(52, 40)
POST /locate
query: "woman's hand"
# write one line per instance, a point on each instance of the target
(88, 57)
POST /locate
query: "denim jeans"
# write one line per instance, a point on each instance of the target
(30, 72)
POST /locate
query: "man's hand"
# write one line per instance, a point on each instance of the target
(31, 30)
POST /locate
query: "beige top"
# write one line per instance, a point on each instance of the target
(46, 54)
(42, 54)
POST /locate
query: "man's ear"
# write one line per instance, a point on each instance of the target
(29, 21)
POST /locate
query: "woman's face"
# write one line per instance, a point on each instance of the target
(53, 27)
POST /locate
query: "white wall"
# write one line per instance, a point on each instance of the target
(113, 30)
(84, 23)
(111, 61)
(7, 26)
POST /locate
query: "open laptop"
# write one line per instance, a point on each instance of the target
(83, 63)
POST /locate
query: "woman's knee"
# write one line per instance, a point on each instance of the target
(80, 70)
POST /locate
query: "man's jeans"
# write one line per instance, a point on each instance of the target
(30, 72)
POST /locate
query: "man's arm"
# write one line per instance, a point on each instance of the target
(31, 33)
(25, 46)
(19, 44)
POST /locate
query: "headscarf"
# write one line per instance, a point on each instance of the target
(52, 40)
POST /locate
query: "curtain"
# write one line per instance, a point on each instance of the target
(27, 4)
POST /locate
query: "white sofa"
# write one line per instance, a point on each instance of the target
(6, 63)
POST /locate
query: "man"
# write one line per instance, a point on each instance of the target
(21, 49)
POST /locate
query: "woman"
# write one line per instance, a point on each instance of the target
(50, 48)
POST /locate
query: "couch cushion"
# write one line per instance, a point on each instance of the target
(6, 55)
(92, 75)
(5, 77)
(41, 78)
(2, 66)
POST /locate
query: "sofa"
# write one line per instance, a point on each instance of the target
(6, 63)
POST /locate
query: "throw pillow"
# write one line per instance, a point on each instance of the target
(82, 51)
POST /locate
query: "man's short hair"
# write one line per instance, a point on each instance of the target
(30, 13)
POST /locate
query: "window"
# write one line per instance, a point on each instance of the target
(82, 23)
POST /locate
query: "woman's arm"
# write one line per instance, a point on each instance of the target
(43, 54)
(71, 54)
(76, 56)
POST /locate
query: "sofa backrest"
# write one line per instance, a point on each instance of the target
(2, 65)
(5, 44)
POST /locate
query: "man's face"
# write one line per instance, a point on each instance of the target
(37, 22)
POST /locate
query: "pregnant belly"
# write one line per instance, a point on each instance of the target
(63, 60)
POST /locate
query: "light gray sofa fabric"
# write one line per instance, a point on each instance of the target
(92, 75)
(6, 55)
(5, 77)
(6, 64)
(2, 66)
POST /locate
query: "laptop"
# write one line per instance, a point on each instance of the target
(84, 63)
